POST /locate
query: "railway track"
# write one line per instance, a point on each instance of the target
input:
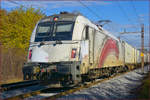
(56, 94)
(53, 95)
(23, 89)
(11, 86)
(80, 87)
(34, 91)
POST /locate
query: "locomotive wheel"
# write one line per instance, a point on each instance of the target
(24, 77)
(34, 77)
(37, 77)
(67, 81)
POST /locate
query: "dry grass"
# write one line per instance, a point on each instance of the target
(144, 92)
(11, 81)
(12, 61)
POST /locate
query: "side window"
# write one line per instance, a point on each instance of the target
(86, 32)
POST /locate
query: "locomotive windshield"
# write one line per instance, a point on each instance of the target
(52, 31)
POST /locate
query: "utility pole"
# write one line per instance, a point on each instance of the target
(142, 47)
(142, 44)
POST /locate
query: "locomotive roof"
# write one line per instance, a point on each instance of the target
(65, 16)
(61, 17)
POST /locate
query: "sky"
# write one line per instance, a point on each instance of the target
(123, 14)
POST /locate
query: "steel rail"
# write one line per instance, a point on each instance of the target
(33, 93)
(11, 86)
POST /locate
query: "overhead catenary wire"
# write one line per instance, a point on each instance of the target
(134, 8)
(95, 13)
(13, 2)
(99, 17)
(124, 13)
(136, 14)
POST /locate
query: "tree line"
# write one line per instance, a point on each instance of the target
(16, 27)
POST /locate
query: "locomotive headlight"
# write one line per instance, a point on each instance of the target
(30, 54)
(55, 18)
(73, 53)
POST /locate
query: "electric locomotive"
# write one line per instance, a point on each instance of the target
(69, 48)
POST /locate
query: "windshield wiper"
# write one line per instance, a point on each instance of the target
(41, 43)
(58, 42)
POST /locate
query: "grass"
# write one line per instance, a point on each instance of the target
(10, 81)
(144, 92)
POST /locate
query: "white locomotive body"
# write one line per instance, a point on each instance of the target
(71, 48)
